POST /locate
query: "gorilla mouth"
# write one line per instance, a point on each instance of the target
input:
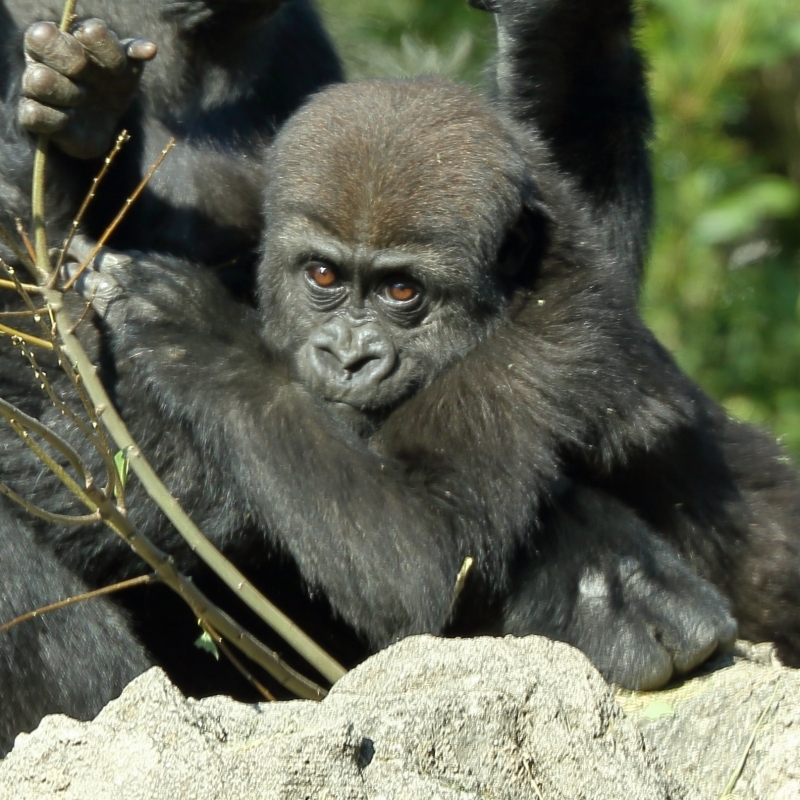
(363, 422)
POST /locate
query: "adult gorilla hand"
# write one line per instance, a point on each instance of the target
(76, 86)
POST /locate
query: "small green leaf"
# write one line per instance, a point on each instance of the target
(205, 642)
(122, 463)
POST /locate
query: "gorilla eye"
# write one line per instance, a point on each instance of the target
(401, 291)
(321, 274)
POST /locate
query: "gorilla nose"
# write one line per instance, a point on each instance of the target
(359, 350)
(351, 360)
(354, 362)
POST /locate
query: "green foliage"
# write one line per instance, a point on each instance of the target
(723, 286)
(724, 279)
(407, 37)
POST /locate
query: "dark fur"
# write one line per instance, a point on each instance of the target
(221, 85)
(541, 429)
(226, 76)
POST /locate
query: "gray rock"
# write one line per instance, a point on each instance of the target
(746, 715)
(428, 719)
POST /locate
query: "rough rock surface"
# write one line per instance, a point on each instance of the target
(742, 716)
(428, 719)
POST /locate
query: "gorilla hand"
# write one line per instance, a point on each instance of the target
(627, 599)
(97, 282)
(76, 86)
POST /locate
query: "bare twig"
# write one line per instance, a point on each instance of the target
(275, 618)
(104, 510)
(8, 240)
(25, 425)
(121, 140)
(23, 234)
(48, 516)
(82, 373)
(91, 432)
(248, 676)
(31, 288)
(16, 314)
(142, 580)
(123, 211)
(35, 341)
(42, 261)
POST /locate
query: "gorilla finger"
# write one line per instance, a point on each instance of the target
(626, 653)
(81, 248)
(37, 118)
(702, 643)
(41, 83)
(102, 44)
(100, 290)
(140, 49)
(86, 138)
(44, 42)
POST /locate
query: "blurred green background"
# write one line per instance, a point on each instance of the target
(722, 289)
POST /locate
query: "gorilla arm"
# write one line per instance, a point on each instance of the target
(228, 71)
(569, 70)
(371, 537)
(465, 468)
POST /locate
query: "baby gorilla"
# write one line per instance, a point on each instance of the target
(440, 368)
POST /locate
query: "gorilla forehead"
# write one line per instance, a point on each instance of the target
(385, 163)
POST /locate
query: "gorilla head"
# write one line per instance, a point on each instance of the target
(387, 207)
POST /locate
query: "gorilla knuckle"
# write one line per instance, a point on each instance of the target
(36, 117)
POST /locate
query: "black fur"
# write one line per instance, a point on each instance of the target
(539, 429)
(226, 76)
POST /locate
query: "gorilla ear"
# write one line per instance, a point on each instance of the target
(526, 242)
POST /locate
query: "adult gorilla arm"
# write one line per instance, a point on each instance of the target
(571, 72)
(228, 72)
(91, 71)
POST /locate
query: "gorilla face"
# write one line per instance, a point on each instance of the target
(381, 252)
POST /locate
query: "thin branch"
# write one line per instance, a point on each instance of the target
(48, 516)
(242, 669)
(123, 211)
(105, 511)
(461, 580)
(42, 259)
(24, 293)
(99, 443)
(23, 234)
(90, 195)
(142, 580)
(205, 610)
(84, 377)
(25, 424)
(16, 314)
(35, 341)
(243, 588)
(9, 242)
(32, 288)
(63, 362)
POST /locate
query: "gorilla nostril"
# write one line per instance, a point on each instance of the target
(356, 364)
